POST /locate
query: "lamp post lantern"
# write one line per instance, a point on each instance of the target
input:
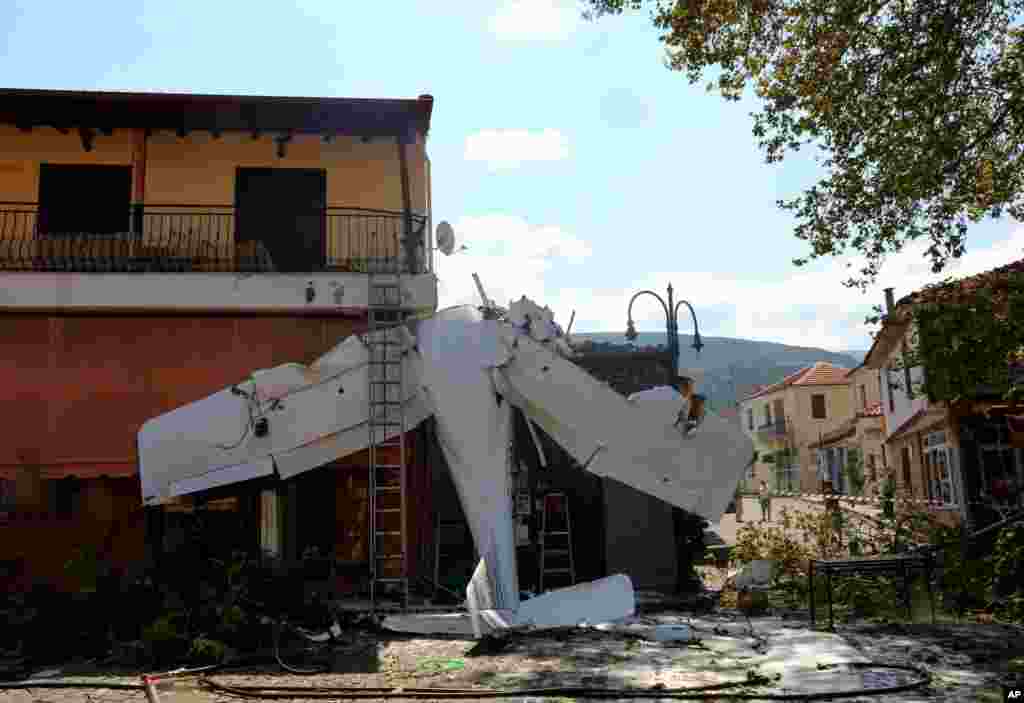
(671, 309)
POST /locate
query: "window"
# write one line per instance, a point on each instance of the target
(84, 199)
(767, 414)
(785, 470)
(906, 374)
(863, 396)
(940, 461)
(905, 459)
(883, 378)
(66, 496)
(750, 418)
(818, 406)
(6, 496)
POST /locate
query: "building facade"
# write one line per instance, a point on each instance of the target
(157, 248)
(786, 418)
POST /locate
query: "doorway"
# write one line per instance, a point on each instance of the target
(284, 209)
(84, 199)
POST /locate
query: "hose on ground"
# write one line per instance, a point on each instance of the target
(278, 630)
(712, 692)
(716, 691)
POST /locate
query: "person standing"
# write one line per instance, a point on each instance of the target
(766, 502)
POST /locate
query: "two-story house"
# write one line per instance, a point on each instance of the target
(960, 457)
(156, 248)
(791, 415)
(860, 435)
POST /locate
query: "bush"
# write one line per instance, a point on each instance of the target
(799, 538)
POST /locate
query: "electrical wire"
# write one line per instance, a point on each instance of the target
(248, 425)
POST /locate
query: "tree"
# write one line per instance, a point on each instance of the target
(855, 471)
(916, 105)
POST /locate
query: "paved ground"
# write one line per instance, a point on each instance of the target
(964, 661)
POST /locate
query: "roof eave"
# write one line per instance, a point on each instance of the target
(371, 117)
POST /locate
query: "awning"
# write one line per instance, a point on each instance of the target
(82, 470)
(921, 420)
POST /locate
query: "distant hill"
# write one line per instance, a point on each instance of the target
(857, 354)
(732, 367)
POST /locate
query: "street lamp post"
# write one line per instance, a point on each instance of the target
(672, 321)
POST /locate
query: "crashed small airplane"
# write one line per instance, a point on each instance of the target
(468, 367)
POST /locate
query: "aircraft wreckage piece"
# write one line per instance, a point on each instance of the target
(468, 370)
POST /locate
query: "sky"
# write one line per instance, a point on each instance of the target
(574, 167)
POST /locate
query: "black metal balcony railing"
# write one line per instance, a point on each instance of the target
(212, 239)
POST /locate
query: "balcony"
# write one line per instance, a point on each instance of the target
(772, 430)
(184, 239)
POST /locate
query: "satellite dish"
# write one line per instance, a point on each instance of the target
(445, 238)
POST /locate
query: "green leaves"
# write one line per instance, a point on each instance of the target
(967, 338)
(919, 106)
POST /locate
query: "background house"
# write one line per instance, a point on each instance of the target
(156, 248)
(791, 415)
(859, 438)
(959, 456)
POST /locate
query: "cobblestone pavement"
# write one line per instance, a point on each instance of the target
(965, 661)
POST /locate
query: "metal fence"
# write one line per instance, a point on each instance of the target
(184, 238)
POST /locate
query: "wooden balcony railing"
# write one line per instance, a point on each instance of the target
(211, 239)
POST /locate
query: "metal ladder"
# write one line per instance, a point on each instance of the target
(561, 530)
(388, 529)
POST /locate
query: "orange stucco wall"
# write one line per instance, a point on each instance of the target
(77, 389)
(200, 170)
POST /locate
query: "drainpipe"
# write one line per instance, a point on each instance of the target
(403, 163)
(139, 138)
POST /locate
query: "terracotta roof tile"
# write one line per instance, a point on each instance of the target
(823, 374)
(945, 291)
(787, 381)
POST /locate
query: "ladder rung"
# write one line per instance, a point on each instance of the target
(385, 382)
(388, 510)
(388, 533)
(388, 466)
(388, 489)
(555, 534)
(557, 552)
(557, 571)
(387, 403)
(391, 580)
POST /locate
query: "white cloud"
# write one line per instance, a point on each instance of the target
(511, 148)
(535, 20)
(512, 258)
(810, 307)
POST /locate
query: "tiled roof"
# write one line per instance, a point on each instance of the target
(942, 292)
(821, 373)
